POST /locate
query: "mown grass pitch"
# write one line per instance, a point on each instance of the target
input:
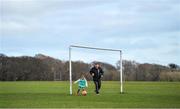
(56, 94)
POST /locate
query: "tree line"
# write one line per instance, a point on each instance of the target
(46, 68)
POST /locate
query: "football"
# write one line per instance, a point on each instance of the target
(84, 93)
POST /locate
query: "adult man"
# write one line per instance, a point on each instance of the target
(97, 73)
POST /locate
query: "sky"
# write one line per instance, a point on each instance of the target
(147, 31)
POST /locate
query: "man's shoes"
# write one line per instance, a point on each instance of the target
(97, 93)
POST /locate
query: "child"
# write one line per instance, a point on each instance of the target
(82, 83)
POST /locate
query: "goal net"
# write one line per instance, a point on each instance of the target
(77, 66)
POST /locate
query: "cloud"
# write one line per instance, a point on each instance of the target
(137, 27)
(12, 26)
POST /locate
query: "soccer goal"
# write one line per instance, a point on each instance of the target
(99, 49)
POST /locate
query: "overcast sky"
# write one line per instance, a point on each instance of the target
(146, 30)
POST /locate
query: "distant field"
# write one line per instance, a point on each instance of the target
(56, 95)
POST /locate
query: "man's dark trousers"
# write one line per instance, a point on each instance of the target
(97, 85)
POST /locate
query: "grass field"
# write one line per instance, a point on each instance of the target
(56, 95)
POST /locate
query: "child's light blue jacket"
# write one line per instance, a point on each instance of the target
(82, 83)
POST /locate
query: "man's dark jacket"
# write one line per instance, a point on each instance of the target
(97, 73)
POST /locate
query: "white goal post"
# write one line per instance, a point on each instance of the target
(104, 49)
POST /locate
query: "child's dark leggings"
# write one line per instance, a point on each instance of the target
(97, 85)
(79, 90)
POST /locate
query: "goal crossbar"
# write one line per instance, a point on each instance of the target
(85, 47)
(104, 49)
